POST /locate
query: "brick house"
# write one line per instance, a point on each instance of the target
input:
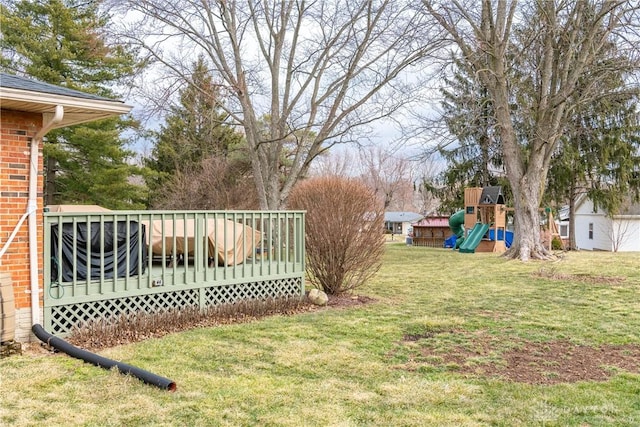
(28, 110)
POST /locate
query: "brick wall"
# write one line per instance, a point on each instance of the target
(16, 131)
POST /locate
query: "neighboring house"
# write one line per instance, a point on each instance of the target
(598, 232)
(400, 222)
(28, 110)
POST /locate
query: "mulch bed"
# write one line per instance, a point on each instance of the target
(139, 328)
(529, 362)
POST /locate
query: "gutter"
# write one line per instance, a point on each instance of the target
(32, 207)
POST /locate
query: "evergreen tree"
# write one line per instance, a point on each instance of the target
(599, 155)
(533, 57)
(475, 158)
(63, 42)
(195, 131)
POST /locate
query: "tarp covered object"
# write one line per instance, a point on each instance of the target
(102, 258)
(230, 242)
(77, 208)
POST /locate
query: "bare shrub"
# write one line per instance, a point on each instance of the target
(219, 183)
(344, 225)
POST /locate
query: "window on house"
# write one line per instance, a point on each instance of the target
(590, 231)
(564, 231)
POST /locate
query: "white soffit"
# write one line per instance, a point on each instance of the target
(76, 110)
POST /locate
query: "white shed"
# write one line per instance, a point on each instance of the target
(597, 232)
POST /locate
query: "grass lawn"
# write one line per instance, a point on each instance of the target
(449, 340)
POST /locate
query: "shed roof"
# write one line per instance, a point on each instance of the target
(433, 221)
(24, 94)
(402, 217)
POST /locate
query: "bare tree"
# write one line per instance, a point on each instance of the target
(620, 225)
(217, 183)
(426, 172)
(619, 231)
(388, 175)
(314, 71)
(333, 163)
(531, 58)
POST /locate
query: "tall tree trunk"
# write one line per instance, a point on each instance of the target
(50, 181)
(573, 197)
(527, 180)
(527, 243)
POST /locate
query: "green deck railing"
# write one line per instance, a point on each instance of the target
(102, 264)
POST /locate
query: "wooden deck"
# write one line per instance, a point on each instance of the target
(161, 260)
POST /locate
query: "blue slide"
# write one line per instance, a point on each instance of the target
(473, 239)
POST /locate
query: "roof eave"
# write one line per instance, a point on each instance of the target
(77, 110)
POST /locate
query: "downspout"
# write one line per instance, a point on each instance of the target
(32, 207)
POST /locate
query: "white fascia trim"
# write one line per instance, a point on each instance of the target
(114, 107)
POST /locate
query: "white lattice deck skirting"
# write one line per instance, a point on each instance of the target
(64, 318)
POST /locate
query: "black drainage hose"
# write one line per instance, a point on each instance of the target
(103, 362)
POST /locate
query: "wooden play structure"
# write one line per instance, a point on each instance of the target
(551, 231)
(484, 220)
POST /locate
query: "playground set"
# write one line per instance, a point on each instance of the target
(481, 225)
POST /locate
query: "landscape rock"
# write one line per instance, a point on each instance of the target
(318, 297)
